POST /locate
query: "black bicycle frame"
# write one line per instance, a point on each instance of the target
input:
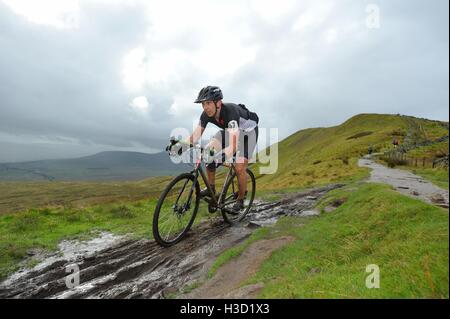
(198, 168)
(215, 200)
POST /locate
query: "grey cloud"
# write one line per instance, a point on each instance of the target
(401, 67)
(68, 84)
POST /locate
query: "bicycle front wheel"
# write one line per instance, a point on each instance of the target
(176, 210)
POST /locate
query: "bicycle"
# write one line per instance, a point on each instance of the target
(178, 205)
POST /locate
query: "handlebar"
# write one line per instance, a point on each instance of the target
(212, 153)
(174, 141)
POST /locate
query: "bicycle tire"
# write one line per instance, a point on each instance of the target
(242, 215)
(156, 232)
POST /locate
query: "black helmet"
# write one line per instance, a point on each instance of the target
(209, 93)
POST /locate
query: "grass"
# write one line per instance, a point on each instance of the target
(430, 151)
(20, 196)
(437, 176)
(45, 228)
(406, 238)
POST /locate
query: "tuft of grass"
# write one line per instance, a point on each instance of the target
(122, 211)
(437, 176)
(393, 162)
(432, 151)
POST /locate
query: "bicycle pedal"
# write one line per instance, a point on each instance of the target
(212, 209)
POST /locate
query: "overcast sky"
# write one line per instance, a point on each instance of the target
(78, 77)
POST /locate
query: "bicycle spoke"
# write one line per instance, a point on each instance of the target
(167, 237)
(173, 218)
(231, 197)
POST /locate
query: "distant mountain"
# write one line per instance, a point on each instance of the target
(111, 165)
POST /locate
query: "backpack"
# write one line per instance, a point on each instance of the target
(251, 115)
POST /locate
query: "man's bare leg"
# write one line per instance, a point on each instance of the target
(241, 167)
(211, 173)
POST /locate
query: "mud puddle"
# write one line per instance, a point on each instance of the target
(119, 267)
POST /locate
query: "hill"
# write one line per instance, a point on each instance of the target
(112, 165)
(318, 156)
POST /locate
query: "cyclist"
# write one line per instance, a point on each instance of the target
(238, 136)
(395, 142)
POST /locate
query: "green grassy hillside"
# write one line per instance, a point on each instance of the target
(326, 155)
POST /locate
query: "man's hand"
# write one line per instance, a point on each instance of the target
(174, 149)
(226, 164)
(221, 158)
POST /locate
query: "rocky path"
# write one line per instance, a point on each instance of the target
(406, 183)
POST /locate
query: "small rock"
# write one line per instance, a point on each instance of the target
(338, 202)
(438, 199)
(311, 197)
(329, 209)
(415, 193)
(312, 212)
(314, 270)
(253, 225)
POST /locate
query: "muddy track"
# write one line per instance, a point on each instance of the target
(125, 268)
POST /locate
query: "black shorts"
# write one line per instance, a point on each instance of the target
(246, 145)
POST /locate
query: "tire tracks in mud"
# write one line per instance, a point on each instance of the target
(129, 268)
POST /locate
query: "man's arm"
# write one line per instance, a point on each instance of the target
(196, 135)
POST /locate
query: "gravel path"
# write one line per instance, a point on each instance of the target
(406, 183)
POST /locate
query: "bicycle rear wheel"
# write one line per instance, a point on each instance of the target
(176, 210)
(231, 194)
